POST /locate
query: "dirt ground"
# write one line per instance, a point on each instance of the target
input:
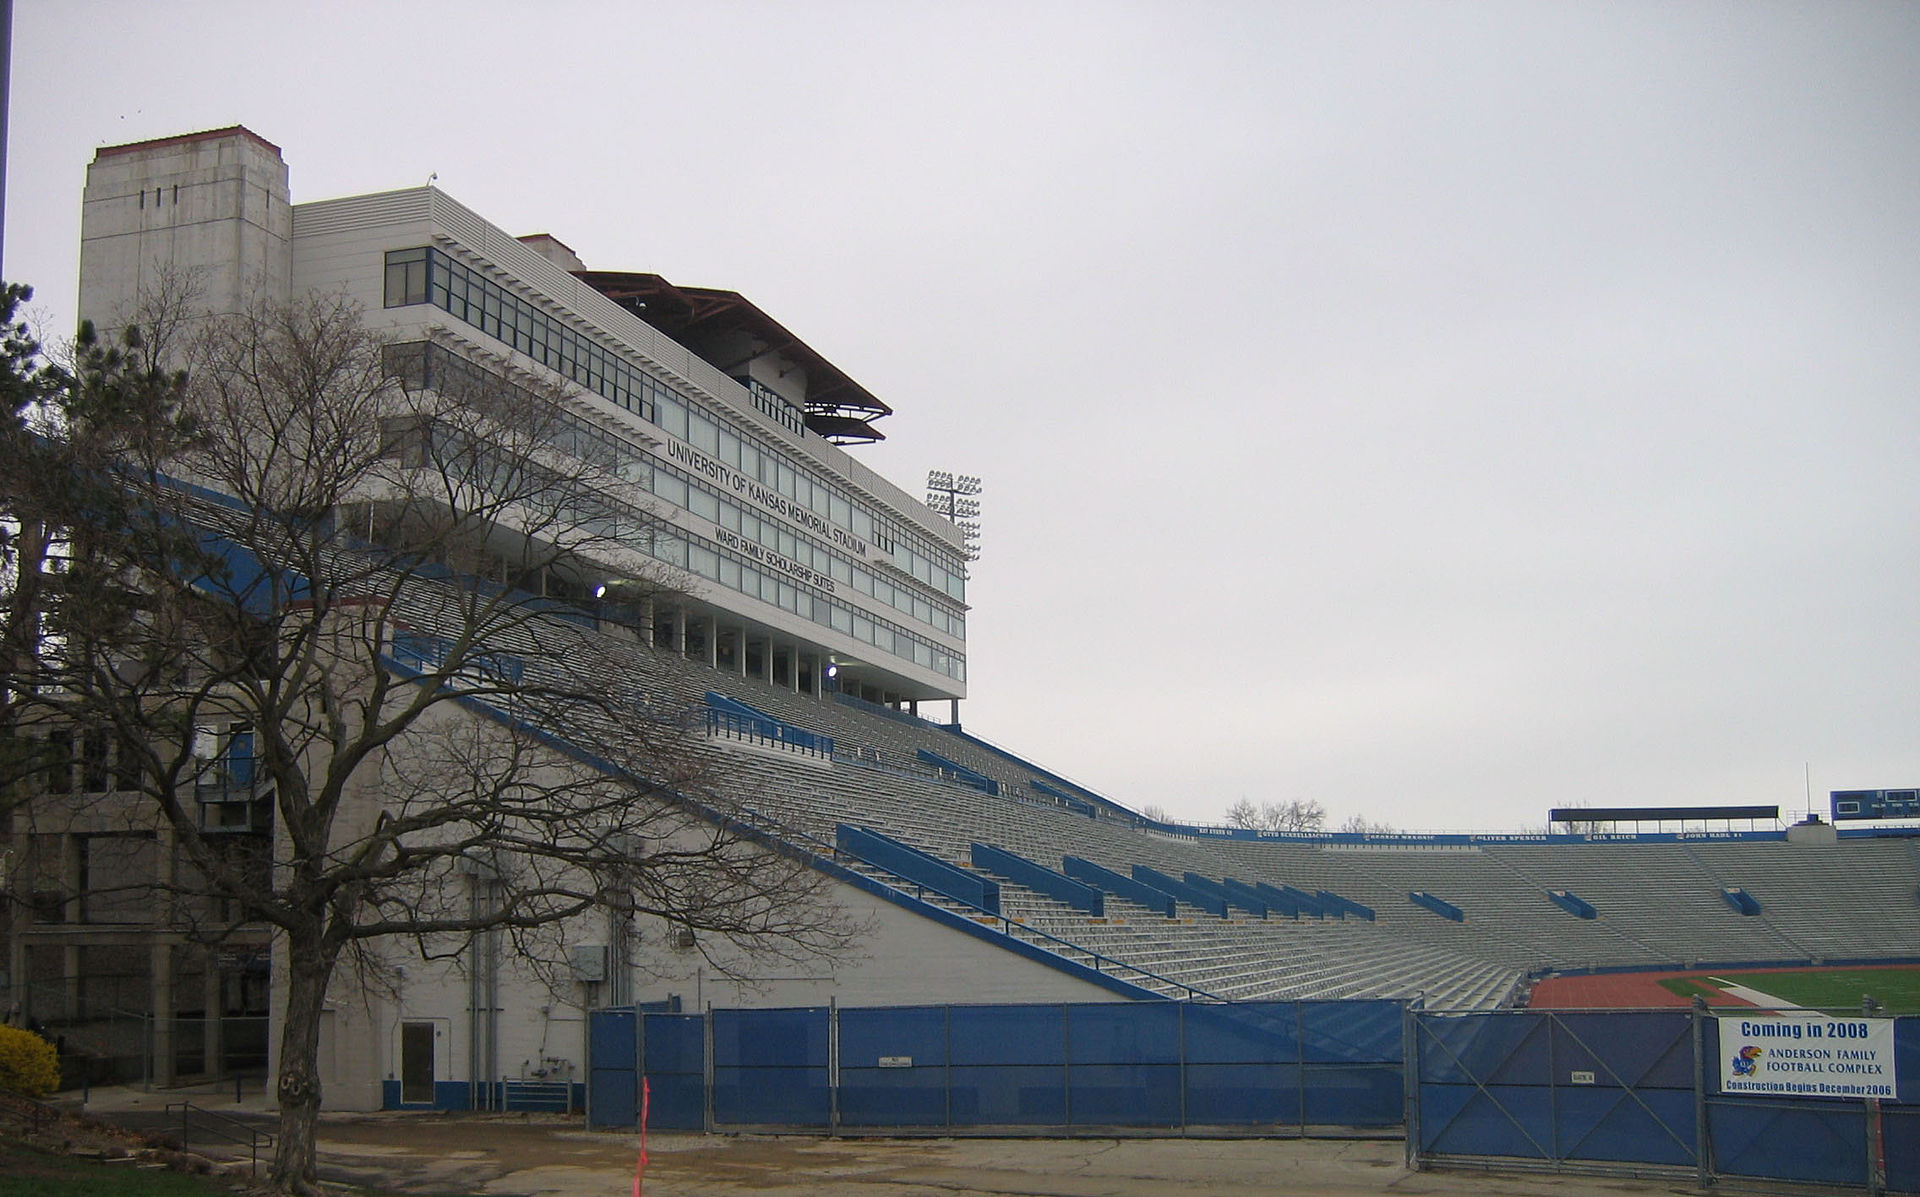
(531, 1156)
(535, 1155)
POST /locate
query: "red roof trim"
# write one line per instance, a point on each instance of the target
(184, 138)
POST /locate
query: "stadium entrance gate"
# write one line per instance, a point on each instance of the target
(1637, 1092)
(1257, 1068)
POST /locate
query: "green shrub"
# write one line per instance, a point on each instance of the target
(28, 1064)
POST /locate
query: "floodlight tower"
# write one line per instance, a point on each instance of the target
(956, 496)
(953, 495)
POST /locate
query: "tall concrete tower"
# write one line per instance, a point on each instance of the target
(210, 209)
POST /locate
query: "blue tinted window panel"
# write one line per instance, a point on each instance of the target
(1351, 1032)
(1355, 1095)
(893, 1096)
(917, 1032)
(1643, 1050)
(1593, 1123)
(612, 1035)
(677, 1102)
(1130, 1033)
(1503, 1048)
(1009, 1034)
(675, 1043)
(1009, 1095)
(771, 1096)
(1125, 1095)
(1243, 1094)
(1817, 1143)
(1264, 1032)
(1467, 1120)
(770, 1038)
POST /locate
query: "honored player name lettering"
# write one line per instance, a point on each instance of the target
(768, 499)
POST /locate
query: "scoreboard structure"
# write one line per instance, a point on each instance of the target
(1875, 804)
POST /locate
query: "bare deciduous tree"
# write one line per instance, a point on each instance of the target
(322, 608)
(1298, 815)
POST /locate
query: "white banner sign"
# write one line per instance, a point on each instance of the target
(1807, 1055)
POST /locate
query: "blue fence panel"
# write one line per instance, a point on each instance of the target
(674, 1061)
(1504, 1048)
(1242, 1033)
(1009, 1065)
(612, 1089)
(770, 1068)
(1467, 1120)
(983, 1035)
(1124, 1033)
(1625, 1048)
(1245, 1095)
(1352, 1032)
(1353, 1056)
(1906, 1059)
(1131, 1064)
(1810, 1140)
(1124, 1095)
(893, 1067)
(1353, 1095)
(1243, 1064)
(1900, 1133)
(1652, 1126)
(1125, 1064)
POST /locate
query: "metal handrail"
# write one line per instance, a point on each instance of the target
(231, 1130)
(37, 1114)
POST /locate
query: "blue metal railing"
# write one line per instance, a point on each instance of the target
(1019, 869)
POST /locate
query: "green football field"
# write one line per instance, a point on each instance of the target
(1897, 989)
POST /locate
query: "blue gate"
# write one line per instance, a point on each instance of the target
(1550, 1086)
(1639, 1091)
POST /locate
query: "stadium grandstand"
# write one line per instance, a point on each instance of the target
(1455, 920)
(824, 607)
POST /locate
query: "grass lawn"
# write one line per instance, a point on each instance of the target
(1836, 990)
(29, 1172)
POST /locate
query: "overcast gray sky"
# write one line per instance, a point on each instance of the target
(1440, 411)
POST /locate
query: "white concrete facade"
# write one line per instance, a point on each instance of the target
(799, 561)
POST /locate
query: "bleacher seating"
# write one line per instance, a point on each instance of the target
(1337, 918)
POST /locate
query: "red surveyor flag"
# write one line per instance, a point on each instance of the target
(640, 1165)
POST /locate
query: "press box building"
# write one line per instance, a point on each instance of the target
(806, 572)
(803, 560)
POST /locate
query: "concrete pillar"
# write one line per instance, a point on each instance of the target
(70, 979)
(73, 909)
(162, 980)
(713, 643)
(740, 651)
(13, 858)
(766, 663)
(679, 632)
(646, 620)
(213, 1005)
